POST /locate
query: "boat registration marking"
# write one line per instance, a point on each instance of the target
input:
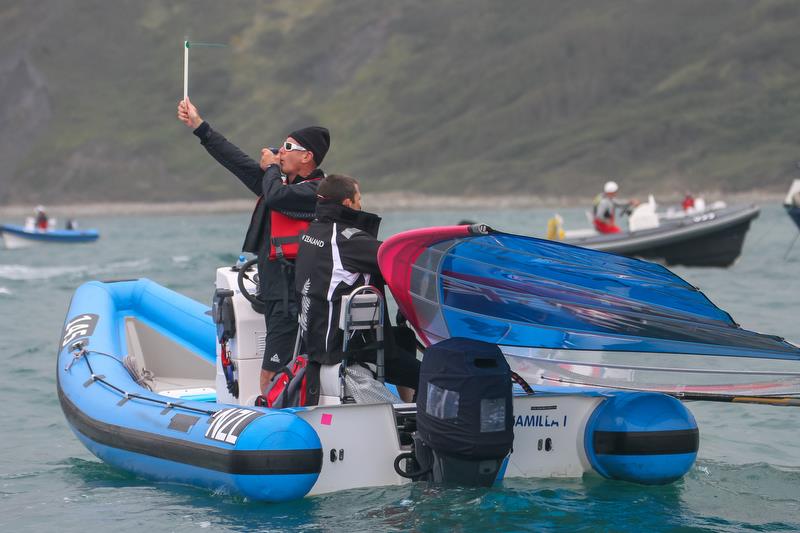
(80, 326)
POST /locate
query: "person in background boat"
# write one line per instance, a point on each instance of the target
(285, 181)
(339, 253)
(71, 224)
(605, 207)
(41, 221)
(688, 201)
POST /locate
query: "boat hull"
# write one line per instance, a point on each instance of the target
(712, 239)
(19, 237)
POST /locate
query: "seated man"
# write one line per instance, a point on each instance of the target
(337, 254)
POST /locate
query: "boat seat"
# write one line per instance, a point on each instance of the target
(361, 385)
(162, 365)
(362, 310)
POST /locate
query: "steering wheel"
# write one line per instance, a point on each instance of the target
(255, 303)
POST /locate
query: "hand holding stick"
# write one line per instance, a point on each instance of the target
(187, 113)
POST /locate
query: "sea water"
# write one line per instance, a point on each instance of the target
(747, 476)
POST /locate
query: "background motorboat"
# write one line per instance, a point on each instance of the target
(15, 236)
(711, 237)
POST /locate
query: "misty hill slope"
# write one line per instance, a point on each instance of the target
(436, 97)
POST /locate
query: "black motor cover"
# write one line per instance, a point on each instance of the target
(464, 403)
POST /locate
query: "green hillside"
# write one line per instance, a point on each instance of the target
(437, 97)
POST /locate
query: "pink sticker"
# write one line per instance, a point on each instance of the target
(326, 419)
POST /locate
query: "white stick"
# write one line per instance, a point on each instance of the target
(185, 70)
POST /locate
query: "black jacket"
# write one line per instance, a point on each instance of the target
(297, 200)
(338, 253)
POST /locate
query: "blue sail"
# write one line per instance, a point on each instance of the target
(551, 302)
(552, 295)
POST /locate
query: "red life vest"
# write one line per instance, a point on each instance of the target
(284, 239)
(284, 233)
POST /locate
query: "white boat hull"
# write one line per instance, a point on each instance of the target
(14, 242)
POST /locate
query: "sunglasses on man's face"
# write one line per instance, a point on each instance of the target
(290, 146)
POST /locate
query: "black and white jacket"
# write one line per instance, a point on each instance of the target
(338, 253)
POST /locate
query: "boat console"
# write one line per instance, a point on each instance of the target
(246, 344)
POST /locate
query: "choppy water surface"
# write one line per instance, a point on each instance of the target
(747, 476)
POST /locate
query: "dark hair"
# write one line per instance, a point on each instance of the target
(336, 188)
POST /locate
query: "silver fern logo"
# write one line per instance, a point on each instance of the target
(305, 304)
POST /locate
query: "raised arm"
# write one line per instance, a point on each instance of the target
(226, 153)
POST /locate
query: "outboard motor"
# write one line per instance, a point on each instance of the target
(464, 413)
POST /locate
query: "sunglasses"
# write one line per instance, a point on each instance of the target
(290, 146)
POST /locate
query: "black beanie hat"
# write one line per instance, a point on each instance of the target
(314, 138)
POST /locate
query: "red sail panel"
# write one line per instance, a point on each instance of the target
(397, 255)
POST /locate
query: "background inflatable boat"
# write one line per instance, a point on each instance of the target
(710, 239)
(21, 237)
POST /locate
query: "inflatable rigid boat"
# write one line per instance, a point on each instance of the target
(22, 236)
(712, 238)
(142, 384)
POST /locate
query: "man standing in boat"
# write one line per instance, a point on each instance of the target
(41, 221)
(285, 182)
(605, 207)
(339, 253)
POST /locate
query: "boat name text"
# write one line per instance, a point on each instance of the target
(539, 421)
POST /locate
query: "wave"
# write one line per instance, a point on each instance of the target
(24, 273)
(29, 273)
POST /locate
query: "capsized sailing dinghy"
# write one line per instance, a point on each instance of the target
(143, 385)
(570, 315)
